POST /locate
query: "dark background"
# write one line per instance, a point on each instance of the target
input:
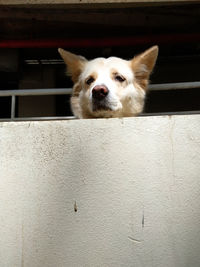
(175, 28)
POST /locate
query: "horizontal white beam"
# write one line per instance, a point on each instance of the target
(35, 92)
(174, 86)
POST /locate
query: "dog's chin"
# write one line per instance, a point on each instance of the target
(103, 110)
(100, 106)
(103, 114)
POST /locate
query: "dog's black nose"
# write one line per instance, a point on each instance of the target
(99, 92)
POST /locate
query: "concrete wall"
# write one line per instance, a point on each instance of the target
(115, 192)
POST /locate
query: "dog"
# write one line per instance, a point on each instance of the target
(109, 87)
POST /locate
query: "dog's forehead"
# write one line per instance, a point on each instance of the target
(106, 64)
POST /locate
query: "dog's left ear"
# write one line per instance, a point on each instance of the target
(75, 64)
(143, 65)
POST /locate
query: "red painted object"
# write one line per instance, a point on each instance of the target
(102, 42)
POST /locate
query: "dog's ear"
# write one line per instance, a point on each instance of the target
(75, 64)
(143, 65)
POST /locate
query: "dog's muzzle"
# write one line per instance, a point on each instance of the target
(99, 98)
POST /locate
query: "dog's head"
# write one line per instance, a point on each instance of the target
(109, 87)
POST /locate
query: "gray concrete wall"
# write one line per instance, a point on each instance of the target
(106, 192)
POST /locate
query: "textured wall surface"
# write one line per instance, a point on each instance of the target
(93, 193)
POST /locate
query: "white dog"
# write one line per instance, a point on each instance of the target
(110, 87)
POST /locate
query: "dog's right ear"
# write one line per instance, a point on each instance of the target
(75, 64)
(143, 65)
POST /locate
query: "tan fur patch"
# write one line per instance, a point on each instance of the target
(75, 105)
(143, 65)
(76, 89)
(75, 64)
(93, 76)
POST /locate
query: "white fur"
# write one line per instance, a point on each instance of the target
(124, 98)
(122, 102)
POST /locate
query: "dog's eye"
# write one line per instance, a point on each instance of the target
(119, 78)
(89, 80)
